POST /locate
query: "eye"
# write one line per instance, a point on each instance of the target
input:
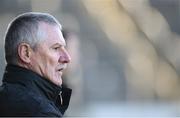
(56, 48)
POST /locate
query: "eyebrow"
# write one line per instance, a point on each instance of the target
(58, 44)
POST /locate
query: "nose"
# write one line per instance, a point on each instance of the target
(64, 57)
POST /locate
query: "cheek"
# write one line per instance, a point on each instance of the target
(46, 59)
(40, 59)
(36, 60)
(52, 59)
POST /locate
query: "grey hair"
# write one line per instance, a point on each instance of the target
(25, 29)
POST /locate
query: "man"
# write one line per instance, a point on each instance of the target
(36, 56)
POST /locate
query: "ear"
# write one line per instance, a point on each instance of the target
(24, 52)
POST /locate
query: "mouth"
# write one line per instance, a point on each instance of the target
(61, 69)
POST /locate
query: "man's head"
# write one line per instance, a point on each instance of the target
(35, 41)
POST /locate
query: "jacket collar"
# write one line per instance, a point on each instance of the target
(30, 79)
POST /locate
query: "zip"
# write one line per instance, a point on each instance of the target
(61, 99)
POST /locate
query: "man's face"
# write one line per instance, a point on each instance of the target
(50, 57)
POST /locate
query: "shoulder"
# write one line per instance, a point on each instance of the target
(17, 101)
(20, 101)
(44, 107)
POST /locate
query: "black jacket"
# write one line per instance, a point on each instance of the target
(25, 93)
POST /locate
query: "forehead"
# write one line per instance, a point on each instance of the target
(52, 34)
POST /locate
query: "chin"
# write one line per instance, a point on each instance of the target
(59, 82)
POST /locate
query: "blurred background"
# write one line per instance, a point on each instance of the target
(125, 54)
